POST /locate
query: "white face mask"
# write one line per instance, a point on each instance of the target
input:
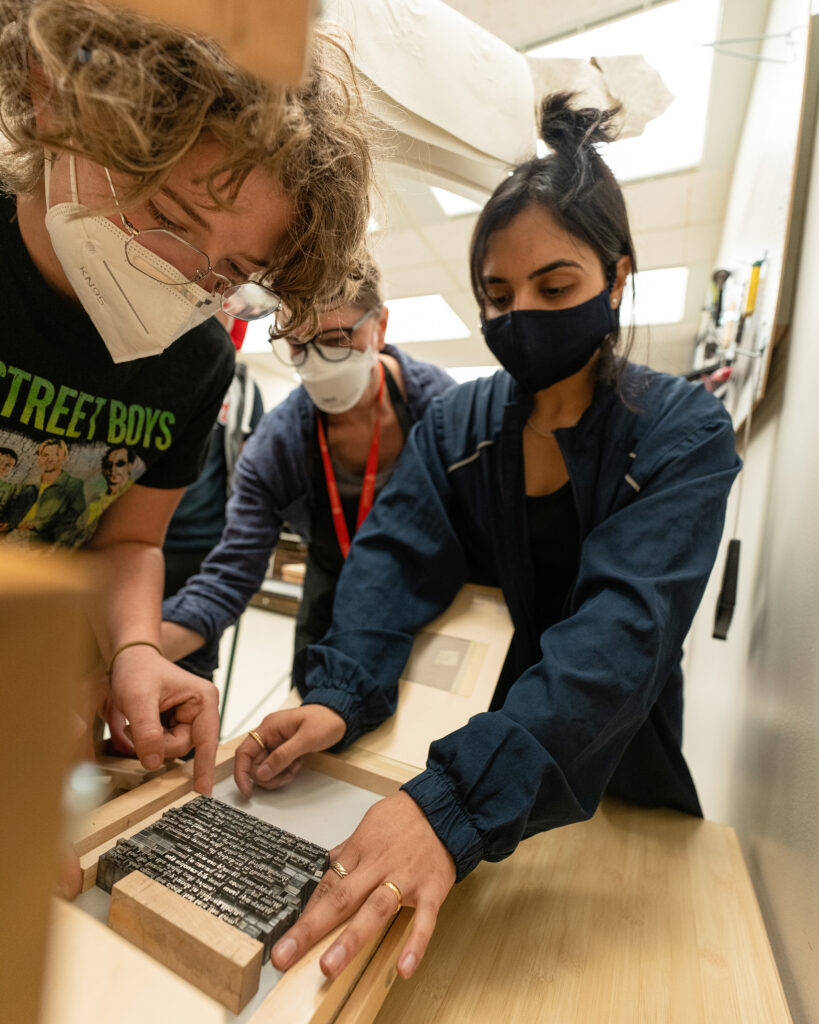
(336, 387)
(135, 315)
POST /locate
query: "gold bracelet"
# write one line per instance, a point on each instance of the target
(123, 647)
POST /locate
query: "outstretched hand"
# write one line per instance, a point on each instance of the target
(394, 843)
(286, 736)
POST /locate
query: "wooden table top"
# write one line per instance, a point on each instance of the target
(637, 916)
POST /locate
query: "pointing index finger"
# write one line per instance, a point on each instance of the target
(205, 735)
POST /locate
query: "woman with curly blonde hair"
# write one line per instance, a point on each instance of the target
(149, 183)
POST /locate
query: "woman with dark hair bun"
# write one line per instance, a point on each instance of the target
(593, 492)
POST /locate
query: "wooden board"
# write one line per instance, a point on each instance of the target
(95, 977)
(302, 995)
(45, 645)
(269, 42)
(127, 772)
(217, 958)
(450, 676)
(365, 1000)
(635, 915)
(305, 996)
(360, 768)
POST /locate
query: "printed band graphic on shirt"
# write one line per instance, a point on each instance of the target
(54, 493)
(28, 400)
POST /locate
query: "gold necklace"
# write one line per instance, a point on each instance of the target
(549, 437)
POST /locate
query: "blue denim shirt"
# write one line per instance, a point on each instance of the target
(600, 704)
(272, 486)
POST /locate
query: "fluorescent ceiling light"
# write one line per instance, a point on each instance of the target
(423, 318)
(671, 38)
(660, 297)
(452, 204)
(462, 374)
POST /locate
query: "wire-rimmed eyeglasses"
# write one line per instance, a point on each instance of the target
(333, 345)
(153, 250)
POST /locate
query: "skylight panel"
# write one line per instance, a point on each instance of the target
(671, 38)
(660, 297)
(423, 318)
(452, 204)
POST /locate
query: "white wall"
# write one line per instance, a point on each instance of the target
(752, 714)
(274, 380)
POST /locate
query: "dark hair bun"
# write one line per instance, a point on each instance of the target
(567, 129)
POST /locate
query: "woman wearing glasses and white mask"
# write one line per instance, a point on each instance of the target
(148, 184)
(316, 461)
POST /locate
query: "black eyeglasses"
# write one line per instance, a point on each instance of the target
(119, 463)
(334, 345)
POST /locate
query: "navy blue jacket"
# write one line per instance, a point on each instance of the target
(600, 703)
(272, 486)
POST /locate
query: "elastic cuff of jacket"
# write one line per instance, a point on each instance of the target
(342, 703)
(434, 794)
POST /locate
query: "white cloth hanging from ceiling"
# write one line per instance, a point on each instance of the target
(460, 102)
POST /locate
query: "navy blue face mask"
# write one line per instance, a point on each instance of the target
(541, 347)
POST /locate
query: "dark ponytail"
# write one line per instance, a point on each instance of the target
(576, 186)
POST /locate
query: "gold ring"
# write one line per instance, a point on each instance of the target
(397, 891)
(339, 869)
(258, 739)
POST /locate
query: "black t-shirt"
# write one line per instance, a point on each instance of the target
(554, 543)
(109, 424)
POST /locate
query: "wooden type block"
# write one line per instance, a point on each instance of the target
(216, 957)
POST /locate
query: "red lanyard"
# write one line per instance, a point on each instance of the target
(365, 502)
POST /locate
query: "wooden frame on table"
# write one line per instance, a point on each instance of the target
(303, 995)
(451, 674)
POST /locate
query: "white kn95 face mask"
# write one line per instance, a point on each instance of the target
(135, 315)
(335, 387)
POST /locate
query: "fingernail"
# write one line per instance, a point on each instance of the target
(283, 952)
(265, 773)
(333, 959)
(151, 761)
(407, 964)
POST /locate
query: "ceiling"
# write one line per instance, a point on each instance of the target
(676, 219)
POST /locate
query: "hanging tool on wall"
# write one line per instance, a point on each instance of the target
(730, 575)
(750, 300)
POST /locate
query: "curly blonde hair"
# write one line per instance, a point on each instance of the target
(135, 96)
